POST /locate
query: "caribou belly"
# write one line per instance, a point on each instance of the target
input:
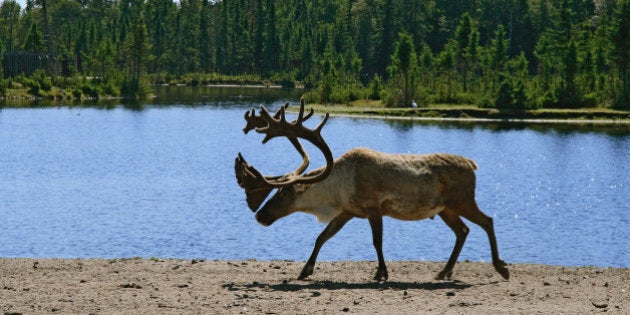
(402, 210)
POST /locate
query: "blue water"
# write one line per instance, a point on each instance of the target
(159, 182)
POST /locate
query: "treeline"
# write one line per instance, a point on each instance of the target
(502, 53)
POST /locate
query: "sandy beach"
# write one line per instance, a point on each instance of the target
(173, 286)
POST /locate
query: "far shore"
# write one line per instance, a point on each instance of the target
(473, 114)
(372, 109)
(494, 120)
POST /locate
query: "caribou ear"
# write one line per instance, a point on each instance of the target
(256, 197)
(249, 179)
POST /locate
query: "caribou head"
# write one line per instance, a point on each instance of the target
(257, 186)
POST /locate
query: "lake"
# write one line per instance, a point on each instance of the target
(157, 180)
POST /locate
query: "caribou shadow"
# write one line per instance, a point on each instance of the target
(335, 285)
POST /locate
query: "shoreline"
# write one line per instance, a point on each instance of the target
(621, 122)
(167, 286)
(434, 113)
(463, 114)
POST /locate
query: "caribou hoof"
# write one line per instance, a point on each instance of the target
(381, 275)
(504, 272)
(444, 275)
(307, 271)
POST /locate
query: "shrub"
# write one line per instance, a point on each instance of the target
(109, 88)
(33, 86)
(76, 93)
(44, 81)
(376, 88)
(90, 90)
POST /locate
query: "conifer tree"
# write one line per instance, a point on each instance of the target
(404, 67)
(34, 40)
(622, 54)
(272, 50)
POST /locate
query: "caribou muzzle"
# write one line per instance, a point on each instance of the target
(264, 218)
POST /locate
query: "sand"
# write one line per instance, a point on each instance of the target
(173, 286)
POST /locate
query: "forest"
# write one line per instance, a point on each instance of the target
(512, 54)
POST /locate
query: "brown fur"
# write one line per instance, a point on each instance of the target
(369, 184)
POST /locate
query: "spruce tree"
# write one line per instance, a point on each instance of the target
(622, 54)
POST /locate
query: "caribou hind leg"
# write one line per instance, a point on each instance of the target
(331, 229)
(376, 222)
(472, 213)
(460, 229)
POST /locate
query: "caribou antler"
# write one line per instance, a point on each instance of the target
(254, 122)
(258, 186)
(281, 127)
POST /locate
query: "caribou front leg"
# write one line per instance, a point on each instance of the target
(333, 227)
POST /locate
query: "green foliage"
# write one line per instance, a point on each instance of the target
(376, 88)
(621, 41)
(38, 84)
(34, 40)
(3, 84)
(43, 81)
(134, 88)
(403, 72)
(511, 94)
(3, 87)
(575, 53)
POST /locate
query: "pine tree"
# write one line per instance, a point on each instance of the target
(259, 28)
(622, 54)
(222, 38)
(466, 39)
(204, 37)
(3, 88)
(271, 55)
(34, 40)
(524, 33)
(447, 66)
(364, 41)
(385, 46)
(497, 56)
(404, 66)
(427, 71)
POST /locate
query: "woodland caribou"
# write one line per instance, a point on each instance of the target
(363, 183)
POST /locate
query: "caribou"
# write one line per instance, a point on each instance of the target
(363, 183)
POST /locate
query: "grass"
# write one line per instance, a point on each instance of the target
(442, 111)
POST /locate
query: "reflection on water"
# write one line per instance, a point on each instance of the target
(610, 129)
(157, 181)
(203, 95)
(180, 95)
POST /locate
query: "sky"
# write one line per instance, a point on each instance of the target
(22, 3)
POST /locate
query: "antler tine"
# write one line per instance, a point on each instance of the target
(309, 115)
(301, 117)
(280, 127)
(254, 121)
(321, 124)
